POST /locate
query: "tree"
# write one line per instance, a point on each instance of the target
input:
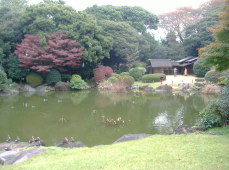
(101, 73)
(178, 20)
(60, 52)
(217, 52)
(54, 17)
(137, 17)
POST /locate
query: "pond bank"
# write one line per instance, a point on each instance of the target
(192, 151)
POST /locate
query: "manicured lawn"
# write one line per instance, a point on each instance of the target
(194, 151)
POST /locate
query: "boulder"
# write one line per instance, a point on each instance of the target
(184, 86)
(132, 137)
(183, 129)
(77, 144)
(28, 88)
(13, 145)
(146, 88)
(62, 86)
(164, 88)
(198, 128)
(199, 79)
(21, 156)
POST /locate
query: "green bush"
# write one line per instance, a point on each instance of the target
(53, 77)
(65, 77)
(199, 69)
(115, 75)
(126, 80)
(77, 83)
(4, 82)
(149, 78)
(140, 64)
(34, 79)
(137, 72)
(112, 79)
(214, 76)
(125, 74)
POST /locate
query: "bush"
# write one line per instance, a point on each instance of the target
(4, 82)
(65, 77)
(34, 79)
(101, 73)
(199, 69)
(116, 75)
(53, 77)
(128, 81)
(140, 64)
(214, 76)
(77, 83)
(124, 74)
(112, 79)
(149, 78)
(137, 72)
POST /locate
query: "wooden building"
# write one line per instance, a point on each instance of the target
(167, 66)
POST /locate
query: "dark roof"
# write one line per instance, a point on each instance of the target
(160, 63)
(187, 59)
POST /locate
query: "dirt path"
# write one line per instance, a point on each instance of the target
(179, 79)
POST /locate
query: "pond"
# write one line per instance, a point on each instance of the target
(95, 118)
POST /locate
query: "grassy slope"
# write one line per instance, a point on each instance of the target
(194, 151)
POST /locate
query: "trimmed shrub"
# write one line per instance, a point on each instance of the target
(124, 74)
(53, 77)
(137, 72)
(34, 79)
(101, 73)
(3, 80)
(77, 83)
(128, 81)
(199, 69)
(140, 64)
(214, 76)
(116, 75)
(112, 79)
(149, 78)
(65, 77)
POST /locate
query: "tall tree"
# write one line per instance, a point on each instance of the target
(137, 17)
(217, 52)
(59, 53)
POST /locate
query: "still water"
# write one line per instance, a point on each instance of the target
(84, 115)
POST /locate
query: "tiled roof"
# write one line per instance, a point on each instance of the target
(160, 63)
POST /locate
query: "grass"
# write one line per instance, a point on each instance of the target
(193, 151)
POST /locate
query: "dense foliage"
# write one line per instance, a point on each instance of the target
(53, 77)
(34, 79)
(101, 73)
(150, 78)
(76, 82)
(137, 72)
(200, 69)
(4, 82)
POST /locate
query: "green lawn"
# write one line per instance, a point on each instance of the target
(194, 151)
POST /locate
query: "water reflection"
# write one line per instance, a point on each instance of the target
(52, 116)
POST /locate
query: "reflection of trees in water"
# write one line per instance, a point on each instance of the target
(78, 97)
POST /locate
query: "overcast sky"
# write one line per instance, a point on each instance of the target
(154, 6)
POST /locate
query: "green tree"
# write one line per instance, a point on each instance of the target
(217, 52)
(199, 69)
(137, 17)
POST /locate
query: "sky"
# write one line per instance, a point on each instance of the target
(153, 6)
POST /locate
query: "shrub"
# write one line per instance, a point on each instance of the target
(149, 78)
(34, 79)
(126, 80)
(101, 73)
(116, 75)
(65, 77)
(4, 82)
(199, 69)
(140, 64)
(112, 79)
(125, 74)
(137, 72)
(77, 83)
(214, 76)
(53, 77)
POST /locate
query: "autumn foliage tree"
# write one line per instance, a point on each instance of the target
(101, 73)
(59, 53)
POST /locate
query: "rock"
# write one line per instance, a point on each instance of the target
(3, 94)
(164, 88)
(9, 155)
(211, 89)
(146, 88)
(132, 137)
(2, 161)
(62, 86)
(23, 155)
(198, 128)
(215, 133)
(199, 79)
(184, 86)
(198, 86)
(13, 145)
(44, 89)
(77, 144)
(28, 88)
(183, 129)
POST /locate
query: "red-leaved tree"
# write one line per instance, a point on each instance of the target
(59, 53)
(101, 73)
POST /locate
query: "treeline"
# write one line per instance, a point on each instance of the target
(37, 38)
